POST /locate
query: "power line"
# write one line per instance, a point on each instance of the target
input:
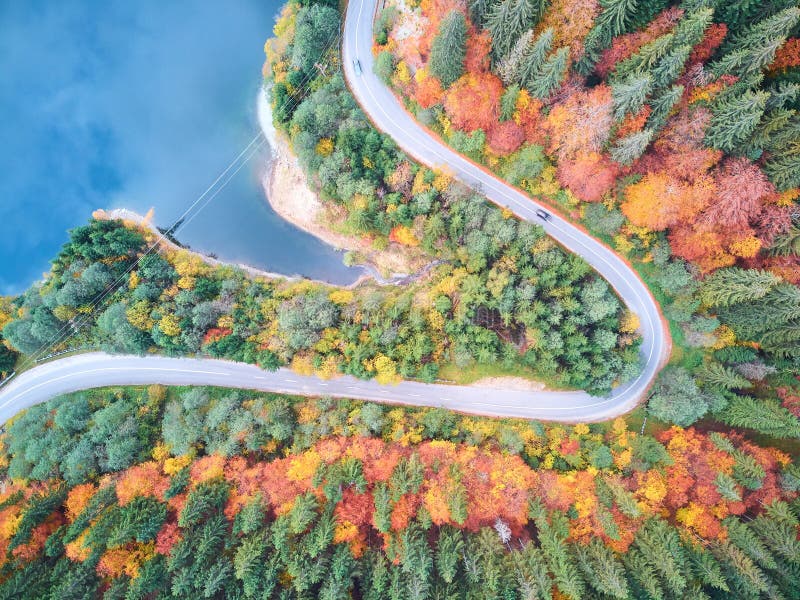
(64, 333)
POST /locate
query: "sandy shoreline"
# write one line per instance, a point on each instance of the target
(288, 192)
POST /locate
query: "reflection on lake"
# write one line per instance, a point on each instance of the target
(137, 105)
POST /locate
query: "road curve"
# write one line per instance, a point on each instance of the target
(98, 369)
(387, 114)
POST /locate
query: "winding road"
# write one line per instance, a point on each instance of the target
(387, 113)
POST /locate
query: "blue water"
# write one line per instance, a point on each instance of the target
(138, 105)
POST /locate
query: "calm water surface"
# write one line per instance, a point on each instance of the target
(138, 105)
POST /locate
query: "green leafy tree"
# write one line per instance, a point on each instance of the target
(676, 397)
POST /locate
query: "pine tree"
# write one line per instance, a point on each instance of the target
(734, 118)
(642, 575)
(741, 572)
(631, 147)
(530, 572)
(449, 549)
(478, 10)
(630, 94)
(551, 76)
(747, 470)
(754, 49)
(661, 546)
(508, 102)
(717, 376)
(497, 22)
(784, 169)
(706, 567)
(690, 29)
(612, 21)
(787, 244)
(534, 58)
(645, 60)
(778, 530)
(448, 49)
(601, 568)
(766, 416)
(510, 66)
(661, 106)
(734, 285)
(726, 486)
(552, 539)
(671, 66)
(741, 535)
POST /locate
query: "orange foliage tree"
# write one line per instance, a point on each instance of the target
(473, 101)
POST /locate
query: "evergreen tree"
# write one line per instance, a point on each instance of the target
(448, 48)
(631, 147)
(741, 535)
(734, 118)
(661, 105)
(508, 102)
(601, 569)
(726, 486)
(717, 376)
(630, 94)
(551, 75)
(766, 416)
(748, 471)
(510, 66)
(509, 19)
(534, 58)
(449, 550)
(478, 10)
(750, 52)
(743, 576)
(734, 285)
(645, 59)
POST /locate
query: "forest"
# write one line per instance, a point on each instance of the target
(199, 492)
(668, 129)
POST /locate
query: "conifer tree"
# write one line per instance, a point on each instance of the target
(551, 75)
(720, 377)
(534, 58)
(631, 147)
(734, 118)
(448, 49)
(766, 416)
(734, 285)
(661, 106)
(754, 49)
(601, 568)
(630, 94)
(510, 66)
(449, 549)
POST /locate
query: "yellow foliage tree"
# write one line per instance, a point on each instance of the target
(169, 325)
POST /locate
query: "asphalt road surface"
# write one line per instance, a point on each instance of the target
(99, 369)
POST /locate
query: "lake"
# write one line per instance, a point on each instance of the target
(138, 105)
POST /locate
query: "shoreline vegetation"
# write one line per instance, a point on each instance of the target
(288, 192)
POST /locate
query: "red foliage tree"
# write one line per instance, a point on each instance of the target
(505, 137)
(787, 56)
(708, 45)
(589, 175)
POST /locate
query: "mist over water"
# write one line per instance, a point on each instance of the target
(137, 105)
